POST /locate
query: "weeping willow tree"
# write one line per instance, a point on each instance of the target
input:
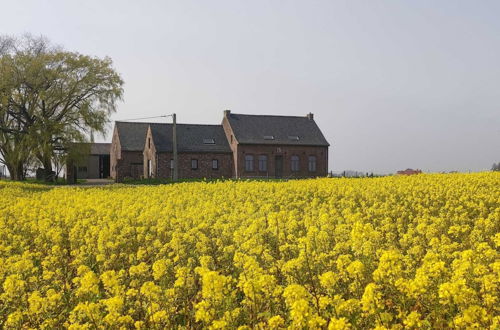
(49, 99)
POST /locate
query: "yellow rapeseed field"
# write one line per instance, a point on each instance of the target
(396, 252)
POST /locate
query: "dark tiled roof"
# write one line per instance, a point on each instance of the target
(100, 148)
(277, 130)
(190, 138)
(132, 135)
(91, 148)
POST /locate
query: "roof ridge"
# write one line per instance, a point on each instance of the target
(136, 122)
(253, 115)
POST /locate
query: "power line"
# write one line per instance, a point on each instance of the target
(133, 119)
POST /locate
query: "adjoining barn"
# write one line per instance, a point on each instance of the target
(203, 151)
(97, 164)
(94, 165)
(127, 147)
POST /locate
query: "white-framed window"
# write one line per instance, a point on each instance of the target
(194, 164)
(171, 164)
(295, 163)
(263, 163)
(312, 164)
(249, 163)
(150, 168)
(215, 164)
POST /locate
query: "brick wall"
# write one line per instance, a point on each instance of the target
(161, 165)
(286, 152)
(205, 165)
(130, 165)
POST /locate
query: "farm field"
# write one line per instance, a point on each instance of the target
(395, 252)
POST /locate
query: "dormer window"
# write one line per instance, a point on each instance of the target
(268, 137)
(293, 137)
(208, 141)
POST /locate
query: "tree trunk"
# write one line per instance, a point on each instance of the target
(49, 173)
(16, 171)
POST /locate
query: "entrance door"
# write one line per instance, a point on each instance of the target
(104, 166)
(278, 166)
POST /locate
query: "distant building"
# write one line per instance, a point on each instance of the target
(409, 171)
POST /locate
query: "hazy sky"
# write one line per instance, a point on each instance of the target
(392, 84)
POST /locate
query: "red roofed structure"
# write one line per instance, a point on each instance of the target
(409, 171)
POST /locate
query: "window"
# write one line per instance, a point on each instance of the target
(208, 141)
(149, 143)
(82, 169)
(295, 163)
(215, 164)
(171, 164)
(231, 138)
(293, 137)
(150, 168)
(268, 137)
(263, 163)
(248, 163)
(312, 163)
(194, 164)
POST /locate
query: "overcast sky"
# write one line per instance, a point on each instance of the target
(392, 84)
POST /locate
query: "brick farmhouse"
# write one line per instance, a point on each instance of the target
(243, 146)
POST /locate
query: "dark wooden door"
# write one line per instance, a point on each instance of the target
(278, 166)
(104, 166)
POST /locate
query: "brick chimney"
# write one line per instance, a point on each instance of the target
(310, 116)
(227, 113)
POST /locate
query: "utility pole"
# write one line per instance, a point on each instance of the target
(174, 147)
